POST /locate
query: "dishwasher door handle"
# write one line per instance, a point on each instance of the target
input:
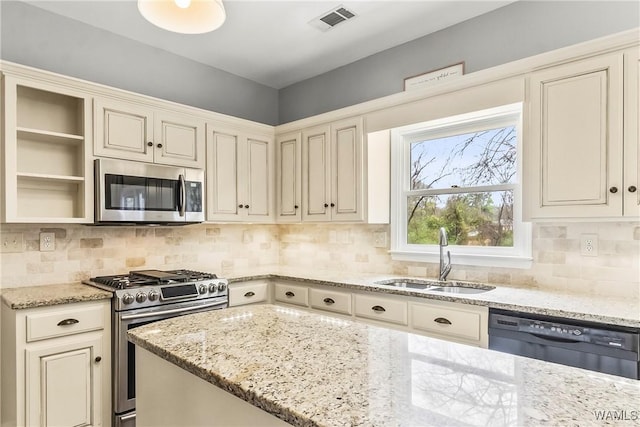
(555, 339)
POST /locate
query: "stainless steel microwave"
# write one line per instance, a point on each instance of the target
(133, 192)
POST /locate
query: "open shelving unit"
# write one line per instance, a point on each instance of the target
(47, 161)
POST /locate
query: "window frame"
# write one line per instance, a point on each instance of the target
(518, 255)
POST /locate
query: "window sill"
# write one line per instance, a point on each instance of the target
(465, 259)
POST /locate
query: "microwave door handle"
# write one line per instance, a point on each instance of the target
(182, 195)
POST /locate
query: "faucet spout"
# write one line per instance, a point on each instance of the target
(445, 267)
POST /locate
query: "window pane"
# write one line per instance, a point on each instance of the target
(471, 219)
(479, 158)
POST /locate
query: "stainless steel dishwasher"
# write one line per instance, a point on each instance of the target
(603, 348)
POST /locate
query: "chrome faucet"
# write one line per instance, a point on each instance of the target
(445, 268)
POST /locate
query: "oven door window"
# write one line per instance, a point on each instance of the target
(140, 194)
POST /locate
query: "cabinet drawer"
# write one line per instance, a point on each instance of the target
(292, 294)
(383, 309)
(446, 321)
(338, 302)
(60, 322)
(247, 294)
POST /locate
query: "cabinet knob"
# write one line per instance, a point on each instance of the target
(240, 206)
(290, 294)
(249, 294)
(442, 321)
(98, 359)
(326, 205)
(150, 144)
(246, 206)
(295, 207)
(378, 308)
(632, 189)
(159, 145)
(333, 205)
(67, 322)
(613, 190)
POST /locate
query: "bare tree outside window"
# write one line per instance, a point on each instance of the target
(464, 184)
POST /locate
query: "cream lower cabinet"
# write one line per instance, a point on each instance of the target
(574, 140)
(463, 323)
(133, 131)
(56, 365)
(240, 168)
(248, 293)
(291, 294)
(381, 308)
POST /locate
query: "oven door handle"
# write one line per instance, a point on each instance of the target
(172, 311)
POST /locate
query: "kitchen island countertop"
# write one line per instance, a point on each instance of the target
(312, 370)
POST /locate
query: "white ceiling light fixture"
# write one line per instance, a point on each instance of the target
(184, 16)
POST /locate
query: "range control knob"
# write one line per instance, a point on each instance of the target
(141, 297)
(212, 287)
(154, 296)
(203, 288)
(127, 298)
(221, 286)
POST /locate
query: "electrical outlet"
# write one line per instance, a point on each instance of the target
(47, 242)
(589, 244)
(380, 239)
(11, 242)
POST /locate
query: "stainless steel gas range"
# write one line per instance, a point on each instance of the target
(146, 296)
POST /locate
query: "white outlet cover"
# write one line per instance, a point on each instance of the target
(589, 244)
(47, 242)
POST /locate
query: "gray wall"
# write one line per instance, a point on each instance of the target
(34, 37)
(521, 29)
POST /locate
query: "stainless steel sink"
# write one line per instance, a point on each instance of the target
(436, 286)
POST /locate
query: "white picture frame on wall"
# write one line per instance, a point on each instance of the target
(434, 77)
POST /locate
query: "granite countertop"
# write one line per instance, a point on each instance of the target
(312, 370)
(594, 308)
(41, 296)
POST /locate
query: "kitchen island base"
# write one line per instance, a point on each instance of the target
(169, 396)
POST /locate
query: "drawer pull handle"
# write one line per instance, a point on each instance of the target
(442, 321)
(249, 294)
(378, 308)
(98, 359)
(328, 301)
(67, 322)
(290, 294)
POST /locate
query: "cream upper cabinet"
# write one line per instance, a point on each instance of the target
(239, 175)
(48, 175)
(332, 172)
(289, 177)
(136, 132)
(631, 185)
(574, 140)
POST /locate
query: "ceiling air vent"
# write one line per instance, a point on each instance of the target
(330, 19)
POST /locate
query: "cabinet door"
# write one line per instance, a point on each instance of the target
(288, 178)
(123, 130)
(574, 150)
(257, 175)
(179, 140)
(632, 134)
(346, 171)
(223, 202)
(316, 178)
(63, 384)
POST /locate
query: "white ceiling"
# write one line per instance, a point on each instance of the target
(272, 42)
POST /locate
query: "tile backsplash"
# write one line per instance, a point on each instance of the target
(85, 251)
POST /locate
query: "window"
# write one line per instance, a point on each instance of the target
(461, 173)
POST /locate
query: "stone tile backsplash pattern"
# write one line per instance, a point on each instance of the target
(85, 251)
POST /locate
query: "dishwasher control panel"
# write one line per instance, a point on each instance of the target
(565, 332)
